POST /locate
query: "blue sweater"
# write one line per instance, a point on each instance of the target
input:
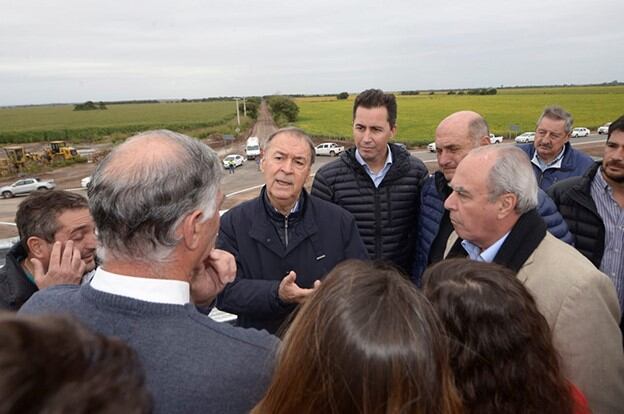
(432, 197)
(192, 364)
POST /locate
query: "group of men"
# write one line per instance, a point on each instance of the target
(165, 257)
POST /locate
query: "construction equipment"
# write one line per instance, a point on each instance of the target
(16, 156)
(59, 150)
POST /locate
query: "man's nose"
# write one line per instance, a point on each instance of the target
(449, 204)
(90, 241)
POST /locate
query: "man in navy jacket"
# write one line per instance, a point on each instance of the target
(552, 157)
(285, 241)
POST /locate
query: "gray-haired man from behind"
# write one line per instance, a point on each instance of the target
(155, 202)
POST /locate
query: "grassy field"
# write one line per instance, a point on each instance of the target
(38, 123)
(419, 115)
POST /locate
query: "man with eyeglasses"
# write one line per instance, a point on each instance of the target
(552, 156)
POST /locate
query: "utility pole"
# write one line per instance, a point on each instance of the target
(244, 106)
(237, 113)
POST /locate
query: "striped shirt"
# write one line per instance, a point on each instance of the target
(612, 216)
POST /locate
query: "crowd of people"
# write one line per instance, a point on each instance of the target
(494, 285)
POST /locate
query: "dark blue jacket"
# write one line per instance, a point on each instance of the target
(322, 236)
(432, 196)
(574, 163)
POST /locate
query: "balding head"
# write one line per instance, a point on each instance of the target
(144, 187)
(456, 135)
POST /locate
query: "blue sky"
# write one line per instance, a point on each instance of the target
(73, 51)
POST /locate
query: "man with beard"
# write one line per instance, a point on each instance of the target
(56, 247)
(551, 154)
(593, 206)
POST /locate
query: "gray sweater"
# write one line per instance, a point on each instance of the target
(192, 364)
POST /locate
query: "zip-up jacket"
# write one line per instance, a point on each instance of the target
(268, 245)
(15, 287)
(573, 197)
(385, 215)
(574, 163)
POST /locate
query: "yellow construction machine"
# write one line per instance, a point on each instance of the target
(59, 150)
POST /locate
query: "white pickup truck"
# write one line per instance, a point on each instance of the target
(329, 148)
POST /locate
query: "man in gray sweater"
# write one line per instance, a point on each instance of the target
(155, 203)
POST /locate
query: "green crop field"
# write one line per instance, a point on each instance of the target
(419, 115)
(38, 123)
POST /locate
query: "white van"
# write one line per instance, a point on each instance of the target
(252, 149)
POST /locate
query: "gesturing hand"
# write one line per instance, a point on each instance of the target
(64, 268)
(290, 292)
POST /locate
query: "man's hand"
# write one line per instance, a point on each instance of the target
(218, 270)
(290, 292)
(65, 268)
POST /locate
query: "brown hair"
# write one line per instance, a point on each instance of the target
(501, 347)
(375, 98)
(366, 341)
(37, 214)
(53, 365)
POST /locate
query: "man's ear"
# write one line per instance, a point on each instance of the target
(38, 248)
(191, 228)
(485, 140)
(507, 204)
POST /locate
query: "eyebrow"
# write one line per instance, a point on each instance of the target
(79, 229)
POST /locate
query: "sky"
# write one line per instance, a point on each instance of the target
(73, 51)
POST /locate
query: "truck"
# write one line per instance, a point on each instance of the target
(252, 149)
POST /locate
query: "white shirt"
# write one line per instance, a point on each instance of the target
(174, 292)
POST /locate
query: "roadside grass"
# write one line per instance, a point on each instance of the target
(419, 115)
(45, 123)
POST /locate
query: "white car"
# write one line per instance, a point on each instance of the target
(431, 147)
(579, 132)
(238, 160)
(526, 137)
(84, 183)
(26, 186)
(604, 129)
(328, 148)
(495, 140)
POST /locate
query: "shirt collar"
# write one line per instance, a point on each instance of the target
(175, 292)
(487, 255)
(363, 163)
(555, 163)
(599, 178)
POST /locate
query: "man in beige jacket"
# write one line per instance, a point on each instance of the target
(492, 209)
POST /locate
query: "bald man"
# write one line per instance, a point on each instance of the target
(455, 137)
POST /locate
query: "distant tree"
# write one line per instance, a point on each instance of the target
(461, 93)
(87, 106)
(285, 106)
(102, 106)
(450, 93)
(252, 108)
(410, 93)
(432, 93)
(342, 95)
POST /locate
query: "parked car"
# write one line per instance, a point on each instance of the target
(604, 129)
(84, 183)
(579, 132)
(328, 148)
(26, 186)
(526, 137)
(495, 140)
(431, 147)
(237, 159)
